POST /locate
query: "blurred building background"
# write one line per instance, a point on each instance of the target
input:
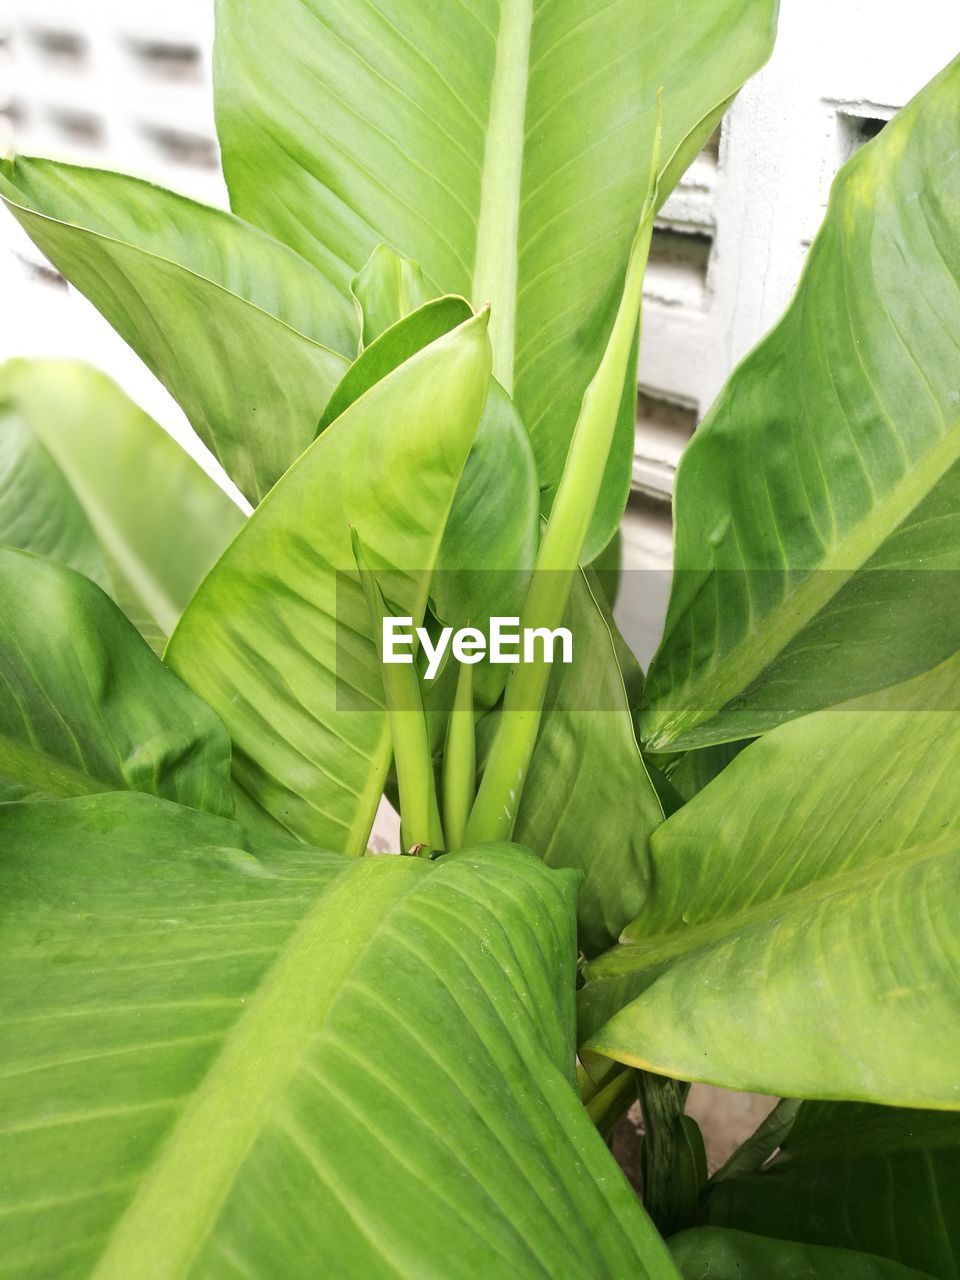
(125, 84)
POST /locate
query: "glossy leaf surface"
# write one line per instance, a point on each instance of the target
(817, 536)
(808, 893)
(193, 1094)
(708, 1253)
(279, 640)
(87, 478)
(86, 707)
(874, 1178)
(246, 336)
(503, 146)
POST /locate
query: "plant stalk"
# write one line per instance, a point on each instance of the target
(495, 809)
(419, 810)
(459, 761)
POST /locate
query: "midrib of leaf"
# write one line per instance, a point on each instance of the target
(45, 774)
(498, 224)
(846, 558)
(177, 1205)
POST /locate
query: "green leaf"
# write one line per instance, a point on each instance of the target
(87, 478)
(251, 1057)
(707, 1253)
(243, 333)
(816, 507)
(492, 531)
(690, 772)
(874, 1178)
(86, 707)
(387, 288)
(504, 147)
(809, 893)
(278, 639)
(589, 802)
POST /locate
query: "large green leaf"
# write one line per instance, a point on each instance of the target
(86, 707)
(708, 1253)
(278, 639)
(588, 801)
(244, 334)
(816, 508)
(506, 147)
(874, 1178)
(809, 893)
(88, 479)
(224, 1058)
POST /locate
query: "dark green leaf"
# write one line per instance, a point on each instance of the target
(708, 1253)
(86, 707)
(879, 1179)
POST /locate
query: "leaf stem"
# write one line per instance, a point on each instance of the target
(419, 810)
(459, 761)
(495, 810)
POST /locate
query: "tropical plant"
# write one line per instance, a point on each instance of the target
(237, 1046)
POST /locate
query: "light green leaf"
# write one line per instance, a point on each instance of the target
(588, 802)
(254, 1058)
(504, 146)
(816, 508)
(86, 707)
(874, 1178)
(387, 288)
(278, 639)
(810, 894)
(492, 532)
(87, 478)
(707, 1253)
(243, 333)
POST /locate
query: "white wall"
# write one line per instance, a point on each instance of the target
(730, 245)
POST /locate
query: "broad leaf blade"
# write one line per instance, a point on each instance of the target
(807, 893)
(90, 480)
(817, 534)
(278, 639)
(243, 333)
(504, 146)
(267, 1059)
(708, 1253)
(86, 707)
(874, 1178)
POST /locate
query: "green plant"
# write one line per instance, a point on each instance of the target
(236, 1046)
